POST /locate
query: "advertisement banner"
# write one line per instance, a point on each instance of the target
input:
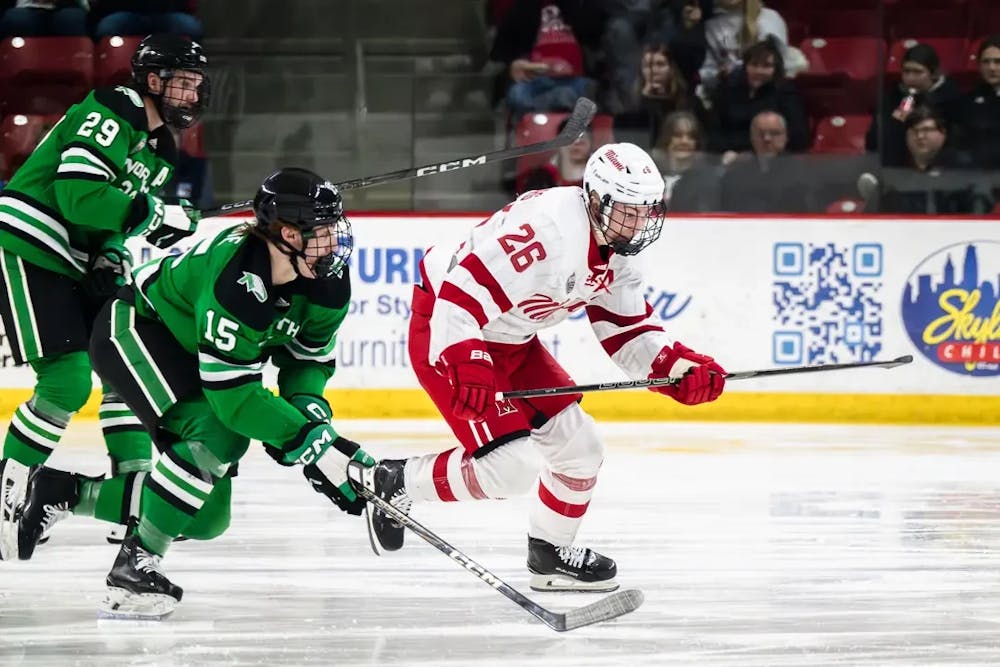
(753, 293)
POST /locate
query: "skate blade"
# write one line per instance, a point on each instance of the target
(122, 605)
(14, 478)
(555, 583)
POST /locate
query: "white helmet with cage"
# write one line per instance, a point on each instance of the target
(626, 175)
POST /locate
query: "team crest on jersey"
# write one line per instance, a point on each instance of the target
(254, 285)
(505, 407)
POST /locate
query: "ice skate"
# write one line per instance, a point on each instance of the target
(569, 568)
(50, 496)
(13, 483)
(386, 480)
(137, 587)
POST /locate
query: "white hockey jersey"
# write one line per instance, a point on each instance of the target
(527, 268)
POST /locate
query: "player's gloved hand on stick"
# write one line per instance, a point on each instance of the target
(312, 406)
(329, 475)
(165, 225)
(469, 368)
(108, 272)
(317, 411)
(701, 379)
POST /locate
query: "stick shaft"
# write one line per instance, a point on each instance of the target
(659, 382)
(578, 121)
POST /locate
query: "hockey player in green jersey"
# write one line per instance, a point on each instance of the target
(91, 181)
(185, 347)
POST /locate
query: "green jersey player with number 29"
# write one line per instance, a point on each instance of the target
(91, 182)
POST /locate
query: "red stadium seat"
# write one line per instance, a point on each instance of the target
(856, 57)
(841, 134)
(846, 206)
(951, 51)
(944, 20)
(113, 60)
(44, 74)
(535, 127)
(193, 140)
(831, 22)
(19, 134)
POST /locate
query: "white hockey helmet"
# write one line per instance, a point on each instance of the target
(625, 174)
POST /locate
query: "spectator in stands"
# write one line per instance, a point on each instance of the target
(143, 17)
(933, 182)
(658, 91)
(542, 43)
(191, 179)
(979, 115)
(768, 181)
(40, 18)
(922, 83)
(735, 27)
(633, 23)
(690, 177)
(565, 167)
(759, 85)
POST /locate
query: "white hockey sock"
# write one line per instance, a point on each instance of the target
(453, 475)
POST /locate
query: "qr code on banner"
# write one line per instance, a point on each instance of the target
(827, 306)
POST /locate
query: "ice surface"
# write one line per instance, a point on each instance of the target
(754, 545)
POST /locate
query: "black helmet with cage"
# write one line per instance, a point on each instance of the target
(307, 202)
(165, 55)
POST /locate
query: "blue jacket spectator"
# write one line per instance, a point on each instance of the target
(144, 17)
(43, 18)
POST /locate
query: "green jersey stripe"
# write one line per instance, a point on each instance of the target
(29, 342)
(45, 229)
(137, 358)
(80, 155)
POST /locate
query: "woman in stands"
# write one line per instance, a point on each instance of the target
(690, 177)
(760, 85)
(736, 25)
(660, 89)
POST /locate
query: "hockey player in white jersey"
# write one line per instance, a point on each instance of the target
(473, 333)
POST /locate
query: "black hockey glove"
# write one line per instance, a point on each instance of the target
(109, 271)
(329, 476)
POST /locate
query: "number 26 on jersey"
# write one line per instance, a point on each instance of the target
(520, 248)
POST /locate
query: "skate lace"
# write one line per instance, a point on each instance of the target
(148, 562)
(575, 556)
(53, 514)
(401, 501)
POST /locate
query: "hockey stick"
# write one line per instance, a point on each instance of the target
(742, 375)
(577, 122)
(605, 609)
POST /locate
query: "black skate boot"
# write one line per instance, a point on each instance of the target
(137, 587)
(569, 568)
(386, 479)
(50, 497)
(13, 483)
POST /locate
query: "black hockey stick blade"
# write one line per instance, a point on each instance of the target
(576, 123)
(614, 605)
(659, 382)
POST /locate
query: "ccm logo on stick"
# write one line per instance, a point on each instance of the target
(451, 166)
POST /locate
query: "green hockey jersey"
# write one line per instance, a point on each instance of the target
(85, 182)
(218, 301)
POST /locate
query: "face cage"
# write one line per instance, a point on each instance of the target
(642, 238)
(330, 265)
(175, 115)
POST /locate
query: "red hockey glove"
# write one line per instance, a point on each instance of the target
(470, 371)
(702, 379)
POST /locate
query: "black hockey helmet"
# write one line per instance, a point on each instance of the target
(164, 55)
(307, 202)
